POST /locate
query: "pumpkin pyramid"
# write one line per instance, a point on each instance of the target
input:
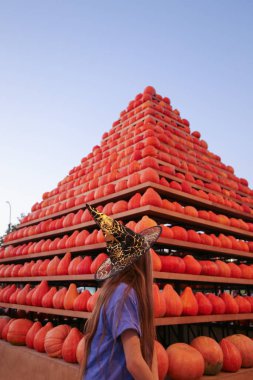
(149, 169)
(150, 150)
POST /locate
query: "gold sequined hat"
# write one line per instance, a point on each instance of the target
(124, 246)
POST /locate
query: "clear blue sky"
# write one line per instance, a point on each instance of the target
(67, 69)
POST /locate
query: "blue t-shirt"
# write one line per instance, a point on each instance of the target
(106, 360)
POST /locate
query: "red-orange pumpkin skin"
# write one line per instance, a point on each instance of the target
(185, 362)
(31, 334)
(245, 346)
(54, 340)
(70, 344)
(211, 352)
(232, 359)
(39, 339)
(162, 360)
(18, 330)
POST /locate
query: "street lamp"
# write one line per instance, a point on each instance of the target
(9, 225)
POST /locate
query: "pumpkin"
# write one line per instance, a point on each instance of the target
(52, 266)
(54, 340)
(70, 344)
(245, 346)
(219, 306)
(80, 350)
(58, 298)
(174, 306)
(72, 269)
(6, 327)
(31, 334)
(80, 302)
(231, 305)
(39, 293)
(159, 302)
(18, 330)
(97, 262)
(47, 300)
(162, 360)
(192, 266)
(156, 261)
(91, 303)
(21, 297)
(190, 304)
(3, 322)
(84, 266)
(39, 338)
(70, 297)
(185, 362)
(232, 359)
(205, 306)
(62, 268)
(211, 352)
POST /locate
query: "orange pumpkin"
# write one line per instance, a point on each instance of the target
(245, 346)
(232, 359)
(205, 306)
(80, 350)
(174, 306)
(70, 344)
(3, 322)
(31, 334)
(162, 360)
(185, 362)
(159, 302)
(52, 266)
(190, 304)
(91, 303)
(47, 300)
(80, 303)
(58, 298)
(54, 340)
(18, 330)
(70, 297)
(39, 338)
(211, 352)
(62, 268)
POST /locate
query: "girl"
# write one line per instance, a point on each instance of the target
(120, 333)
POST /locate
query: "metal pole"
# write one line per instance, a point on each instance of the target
(9, 225)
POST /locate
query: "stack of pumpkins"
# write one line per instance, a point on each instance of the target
(179, 361)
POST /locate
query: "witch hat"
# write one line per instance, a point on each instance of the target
(124, 246)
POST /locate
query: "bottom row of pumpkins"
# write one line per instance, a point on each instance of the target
(180, 361)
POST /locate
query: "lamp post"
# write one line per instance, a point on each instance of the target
(9, 225)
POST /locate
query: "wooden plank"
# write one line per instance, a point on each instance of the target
(166, 215)
(23, 363)
(157, 275)
(183, 320)
(158, 321)
(47, 310)
(162, 242)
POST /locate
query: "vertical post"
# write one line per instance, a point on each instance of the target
(9, 225)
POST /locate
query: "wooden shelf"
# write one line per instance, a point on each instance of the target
(166, 216)
(93, 248)
(142, 188)
(47, 310)
(182, 277)
(165, 243)
(242, 374)
(76, 277)
(158, 321)
(184, 320)
(23, 363)
(30, 364)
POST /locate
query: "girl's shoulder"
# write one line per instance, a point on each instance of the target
(121, 293)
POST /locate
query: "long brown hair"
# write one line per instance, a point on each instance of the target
(139, 277)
